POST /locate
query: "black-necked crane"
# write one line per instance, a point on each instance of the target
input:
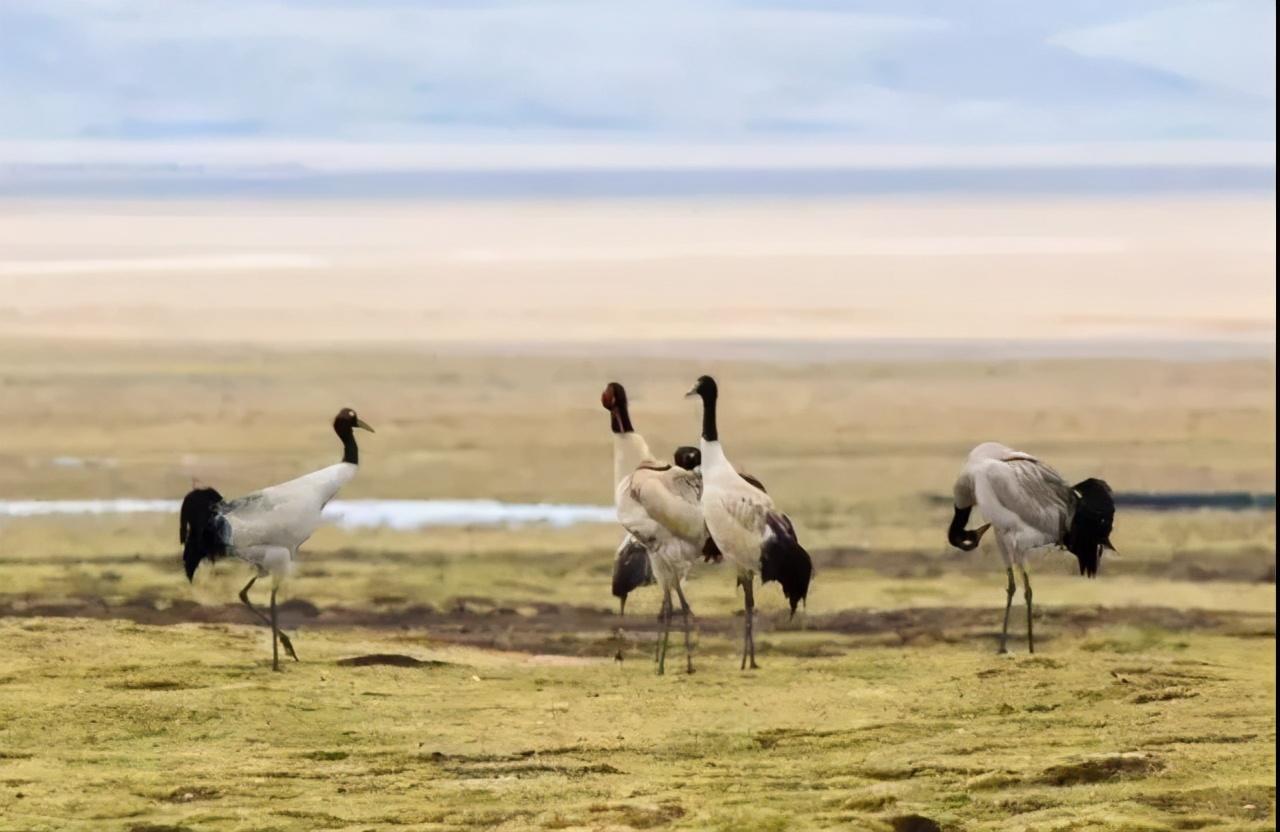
(1031, 507)
(631, 567)
(746, 526)
(265, 528)
(658, 504)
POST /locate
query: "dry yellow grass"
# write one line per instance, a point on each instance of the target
(112, 725)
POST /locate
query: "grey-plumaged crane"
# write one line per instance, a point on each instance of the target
(746, 526)
(265, 528)
(1031, 507)
(659, 506)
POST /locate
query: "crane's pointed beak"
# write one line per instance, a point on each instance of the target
(363, 425)
(980, 531)
(692, 392)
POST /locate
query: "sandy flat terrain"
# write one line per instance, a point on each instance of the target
(647, 271)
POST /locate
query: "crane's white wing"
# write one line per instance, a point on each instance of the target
(737, 515)
(669, 496)
(1030, 491)
(285, 514)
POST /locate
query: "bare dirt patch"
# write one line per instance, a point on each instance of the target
(1101, 769)
(388, 660)
(1251, 566)
(568, 630)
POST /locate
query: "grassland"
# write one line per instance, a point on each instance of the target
(485, 692)
(149, 728)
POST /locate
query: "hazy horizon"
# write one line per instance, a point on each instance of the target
(787, 273)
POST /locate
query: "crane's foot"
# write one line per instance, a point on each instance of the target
(288, 646)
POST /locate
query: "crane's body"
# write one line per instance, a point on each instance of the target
(266, 528)
(1030, 507)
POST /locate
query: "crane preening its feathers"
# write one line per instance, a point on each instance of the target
(631, 567)
(658, 504)
(1031, 507)
(265, 528)
(745, 525)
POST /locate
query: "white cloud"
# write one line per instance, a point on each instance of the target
(1230, 44)
(574, 70)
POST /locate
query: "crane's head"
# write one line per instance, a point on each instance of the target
(614, 396)
(705, 387)
(614, 400)
(347, 419)
(966, 540)
(688, 458)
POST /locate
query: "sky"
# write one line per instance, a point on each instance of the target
(760, 72)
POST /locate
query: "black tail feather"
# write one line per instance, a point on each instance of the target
(784, 560)
(631, 570)
(1091, 524)
(200, 529)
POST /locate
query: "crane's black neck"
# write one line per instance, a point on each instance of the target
(956, 531)
(620, 416)
(709, 432)
(350, 451)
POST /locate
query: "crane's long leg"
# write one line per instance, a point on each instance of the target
(1026, 593)
(275, 634)
(284, 639)
(664, 637)
(657, 645)
(688, 637)
(749, 643)
(1008, 604)
(622, 638)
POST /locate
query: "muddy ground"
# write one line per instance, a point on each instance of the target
(583, 631)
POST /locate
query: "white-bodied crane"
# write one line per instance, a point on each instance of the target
(658, 504)
(265, 528)
(746, 526)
